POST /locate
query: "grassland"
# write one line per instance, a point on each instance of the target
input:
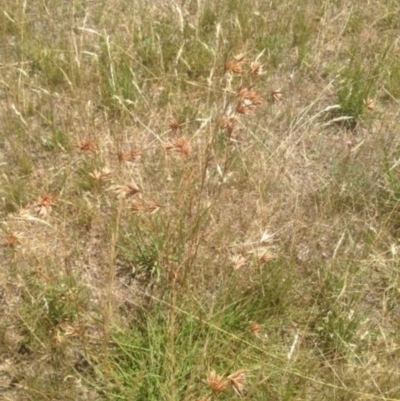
(199, 200)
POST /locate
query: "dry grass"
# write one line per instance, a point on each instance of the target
(199, 200)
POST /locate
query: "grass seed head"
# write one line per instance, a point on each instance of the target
(45, 203)
(266, 237)
(137, 206)
(131, 156)
(228, 123)
(246, 94)
(124, 191)
(87, 145)
(237, 380)
(124, 156)
(173, 124)
(238, 261)
(256, 68)
(243, 93)
(234, 66)
(136, 154)
(180, 145)
(217, 383)
(12, 239)
(245, 108)
(266, 256)
(152, 207)
(255, 328)
(102, 174)
(140, 205)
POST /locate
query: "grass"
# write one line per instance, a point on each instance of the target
(199, 200)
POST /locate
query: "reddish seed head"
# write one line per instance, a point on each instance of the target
(217, 383)
(87, 145)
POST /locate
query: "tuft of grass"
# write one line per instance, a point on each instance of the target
(337, 322)
(353, 89)
(141, 252)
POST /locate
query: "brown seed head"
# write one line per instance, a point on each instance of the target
(243, 93)
(238, 261)
(234, 66)
(246, 94)
(265, 255)
(102, 174)
(173, 124)
(140, 205)
(87, 145)
(45, 202)
(137, 206)
(132, 156)
(217, 383)
(152, 207)
(228, 123)
(47, 199)
(180, 145)
(256, 68)
(124, 191)
(136, 154)
(11, 240)
(238, 379)
(124, 156)
(255, 328)
(244, 107)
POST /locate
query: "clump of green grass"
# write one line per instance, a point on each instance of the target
(337, 322)
(141, 251)
(177, 350)
(393, 84)
(353, 90)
